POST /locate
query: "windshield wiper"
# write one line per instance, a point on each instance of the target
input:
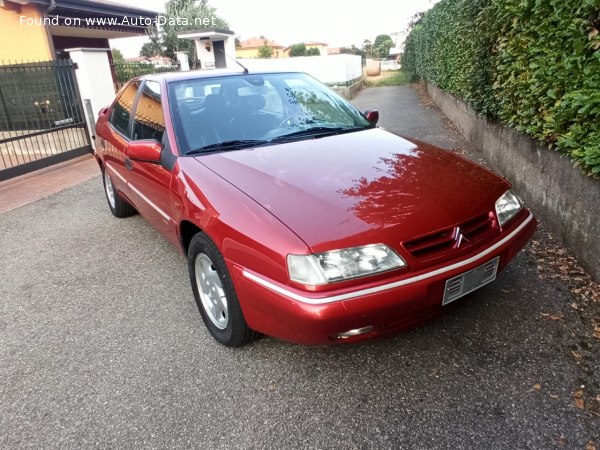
(315, 132)
(227, 145)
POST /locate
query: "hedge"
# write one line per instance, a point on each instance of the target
(533, 64)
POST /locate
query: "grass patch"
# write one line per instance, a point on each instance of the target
(390, 78)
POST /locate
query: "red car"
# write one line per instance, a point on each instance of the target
(299, 217)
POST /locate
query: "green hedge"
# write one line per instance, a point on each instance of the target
(533, 64)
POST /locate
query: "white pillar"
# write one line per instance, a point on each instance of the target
(184, 61)
(230, 52)
(95, 81)
(205, 52)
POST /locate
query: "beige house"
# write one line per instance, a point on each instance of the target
(41, 30)
(250, 47)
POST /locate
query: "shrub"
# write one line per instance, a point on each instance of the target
(533, 64)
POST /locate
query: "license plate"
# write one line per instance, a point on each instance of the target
(467, 282)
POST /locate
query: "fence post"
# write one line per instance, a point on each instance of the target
(95, 81)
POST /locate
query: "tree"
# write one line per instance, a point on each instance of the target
(367, 49)
(354, 50)
(180, 15)
(313, 51)
(117, 56)
(382, 45)
(298, 50)
(265, 51)
(155, 46)
(150, 49)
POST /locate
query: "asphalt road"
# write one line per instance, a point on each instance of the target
(101, 345)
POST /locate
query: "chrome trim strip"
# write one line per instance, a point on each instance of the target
(114, 172)
(151, 203)
(351, 295)
(142, 196)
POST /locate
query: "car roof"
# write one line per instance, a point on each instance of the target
(207, 73)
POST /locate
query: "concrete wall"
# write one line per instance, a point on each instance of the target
(390, 65)
(332, 70)
(206, 57)
(350, 91)
(566, 200)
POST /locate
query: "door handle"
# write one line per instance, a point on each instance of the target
(129, 164)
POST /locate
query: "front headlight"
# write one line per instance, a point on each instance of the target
(339, 265)
(507, 207)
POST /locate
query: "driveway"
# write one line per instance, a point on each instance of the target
(101, 345)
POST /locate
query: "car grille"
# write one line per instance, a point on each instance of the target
(451, 239)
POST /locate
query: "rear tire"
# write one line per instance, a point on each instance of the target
(118, 206)
(215, 294)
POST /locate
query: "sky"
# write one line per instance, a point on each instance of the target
(336, 22)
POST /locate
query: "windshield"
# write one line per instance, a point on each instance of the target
(214, 114)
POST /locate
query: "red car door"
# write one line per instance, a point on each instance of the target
(150, 181)
(116, 135)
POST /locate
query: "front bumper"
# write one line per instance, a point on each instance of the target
(305, 317)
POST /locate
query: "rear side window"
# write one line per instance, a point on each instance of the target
(149, 122)
(121, 112)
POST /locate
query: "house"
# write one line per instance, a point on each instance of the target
(56, 75)
(214, 47)
(41, 30)
(321, 46)
(250, 47)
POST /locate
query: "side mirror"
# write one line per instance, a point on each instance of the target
(145, 151)
(372, 115)
(103, 111)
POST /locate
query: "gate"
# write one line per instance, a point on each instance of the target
(42, 120)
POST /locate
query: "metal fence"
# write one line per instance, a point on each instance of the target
(41, 116)
(125, 71)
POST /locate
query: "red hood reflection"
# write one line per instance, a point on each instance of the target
(358, 188)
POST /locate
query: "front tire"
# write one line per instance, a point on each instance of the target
(118, 206)
(215, 294)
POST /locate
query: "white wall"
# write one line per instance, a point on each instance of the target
(207, 58)
(230, 52)
(94, 79)
(390, 65)
(327, 69)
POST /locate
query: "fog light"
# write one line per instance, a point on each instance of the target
(355, 332)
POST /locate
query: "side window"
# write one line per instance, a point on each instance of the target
(149, 122)
(121, 112)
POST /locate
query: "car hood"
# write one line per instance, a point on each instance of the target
(362, 187)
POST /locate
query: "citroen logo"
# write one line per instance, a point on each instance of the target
(460, 238)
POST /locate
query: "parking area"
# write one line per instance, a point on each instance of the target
(101, 345)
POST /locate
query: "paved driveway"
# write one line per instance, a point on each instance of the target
(101, 345)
